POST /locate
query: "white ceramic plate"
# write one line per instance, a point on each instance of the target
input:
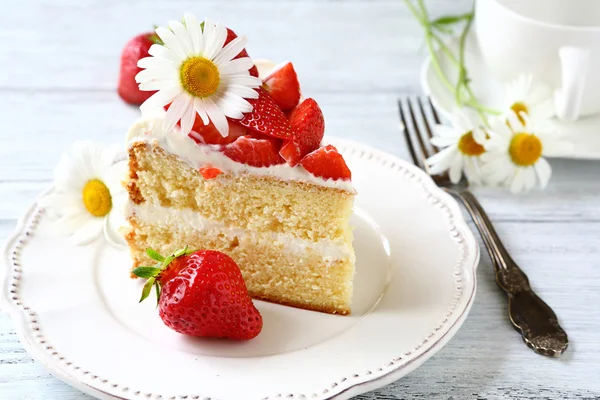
(584, 133)
(76, 310)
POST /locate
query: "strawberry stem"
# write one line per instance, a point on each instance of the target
(152, 273)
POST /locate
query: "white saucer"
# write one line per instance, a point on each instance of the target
(76, 310)
(584, 133)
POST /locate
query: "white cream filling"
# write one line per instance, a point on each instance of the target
(149, 130)
(162, 216)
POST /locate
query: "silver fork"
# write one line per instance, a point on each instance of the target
(529, 314)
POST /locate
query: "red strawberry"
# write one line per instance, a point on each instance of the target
(134, 50)
(201, 293)
(208, 134)
(256, 152)
(283, 86)
(209, 173)
(327, 163)
(308, 126)
(230, 36)
(266, 117)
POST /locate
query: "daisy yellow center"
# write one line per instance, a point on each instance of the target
(468, 146)
(96, 198)
(518, 108)
(525, 149)
(199, 76)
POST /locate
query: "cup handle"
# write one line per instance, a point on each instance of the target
(574, 63)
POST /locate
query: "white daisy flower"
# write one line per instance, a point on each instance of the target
(462, 147)
(196, 74)
(87, 194)
(526, 95)
(515, 152)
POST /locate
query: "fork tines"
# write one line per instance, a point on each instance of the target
(418, 128)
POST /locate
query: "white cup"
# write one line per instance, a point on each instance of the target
(557, 41)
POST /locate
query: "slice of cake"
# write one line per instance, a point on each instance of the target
(259, 186)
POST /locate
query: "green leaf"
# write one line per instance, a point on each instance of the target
(168, 260)
(451, 19)
(157, 286)
(185, 251)
(147, 288)
(146, 272)
(154, 255)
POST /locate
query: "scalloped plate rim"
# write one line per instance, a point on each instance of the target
(470, 264)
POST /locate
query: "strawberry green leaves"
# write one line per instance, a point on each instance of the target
(153, 254)
(152, 274)
(147, 288)
(146, 272)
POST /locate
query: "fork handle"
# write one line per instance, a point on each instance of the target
(529, 314)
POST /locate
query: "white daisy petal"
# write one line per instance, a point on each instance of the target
(229, 108)
(159, 63)
(529, 178)
(88, 232)
(111, 227)
(184, 37)
(240, 102)
(471, 169)
(162, 53)
(514, 122)
(237, 66)
(213, 46)
(248, 80)
(187, 121)
(201, 111)
(456, 169)
(445, 154)
(518, 181)
(62, 203)
(543, 171)
(243, 91)
(155, 74)
(193, 27)
(209, 35)
(83, 156)
(67, 176)
(446, 132)
(438, 141)
(171, 42)
(70, 223)
(217, 117)
(156, 85)
(160, 99)
(176, 110)
(231, 50)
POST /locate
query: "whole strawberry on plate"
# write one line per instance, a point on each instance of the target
(201, 293)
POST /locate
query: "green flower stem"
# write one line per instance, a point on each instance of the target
(462, 73)
(463, 94)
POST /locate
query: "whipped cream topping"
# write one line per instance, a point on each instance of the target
(149, 130)
(185, 219)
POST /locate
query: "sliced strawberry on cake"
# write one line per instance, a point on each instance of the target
(308, 127)
(266, 117)
(256, 152)
(208, 134)
(326, 163)
(283, 86)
